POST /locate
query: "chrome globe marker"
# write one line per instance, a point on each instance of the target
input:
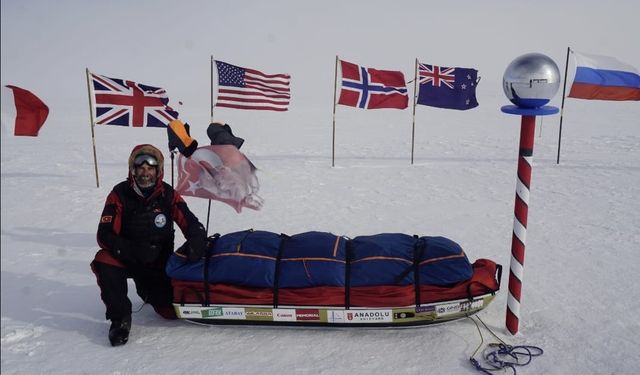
(529, 82)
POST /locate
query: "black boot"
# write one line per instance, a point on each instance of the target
(119, 331)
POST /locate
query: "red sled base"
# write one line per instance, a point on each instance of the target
(370, 306)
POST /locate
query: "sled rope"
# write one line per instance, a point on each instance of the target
(144, 302)
(500, 355)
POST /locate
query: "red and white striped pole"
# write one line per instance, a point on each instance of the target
(521, 207)
(520, 211)
(529, 82)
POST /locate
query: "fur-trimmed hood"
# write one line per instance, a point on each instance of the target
(147, 149)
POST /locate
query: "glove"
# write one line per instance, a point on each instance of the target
(179, 137)
(221, 135)
(197, 246)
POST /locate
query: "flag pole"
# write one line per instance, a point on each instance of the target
(413, 127)
(211, 120)
(172, 159)
(93, 135)
(335, 86)
(211, 92)
(566, 67)
(540, 132)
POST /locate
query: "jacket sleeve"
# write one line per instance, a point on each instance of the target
(186, 220)
(109, 228)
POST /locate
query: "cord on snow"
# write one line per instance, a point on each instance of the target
(500, 355)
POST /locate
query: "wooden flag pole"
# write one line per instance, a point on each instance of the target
(211, 91)
(93, 135)
(415, 98)
(211, 120)
(333, 142)
(566, 67)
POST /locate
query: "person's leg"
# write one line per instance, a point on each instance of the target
(154, 287)
(112, 280)
(111, 276)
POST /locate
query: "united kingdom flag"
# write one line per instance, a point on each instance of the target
(127, 103)
(437, 75)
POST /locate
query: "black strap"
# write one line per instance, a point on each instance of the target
(205, 271)
(276, 276)
(195, 293)
(347, 274)
(418, 249)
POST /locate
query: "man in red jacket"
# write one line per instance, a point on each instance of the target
(136, 238)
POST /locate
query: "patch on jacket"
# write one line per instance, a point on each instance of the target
(106, 219)
(160, 220)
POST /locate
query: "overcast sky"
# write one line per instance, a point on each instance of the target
(46, 45)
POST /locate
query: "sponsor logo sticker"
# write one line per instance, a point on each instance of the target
(307, 314)
(284, 315)
(233, 313)
(370, 316)
(471, 305)
(335, 316)
(215, 312)
(425, 309)
(403, 315)
(459, 307)
(187, 312)
(259, 314)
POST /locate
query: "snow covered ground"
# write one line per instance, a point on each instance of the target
(579, 304)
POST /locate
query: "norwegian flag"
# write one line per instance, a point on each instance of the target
(370, 88)
(127, 103)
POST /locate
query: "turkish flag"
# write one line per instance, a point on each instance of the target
(23, 111)
(222, 173)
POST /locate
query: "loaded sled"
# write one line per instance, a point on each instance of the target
(321, 279)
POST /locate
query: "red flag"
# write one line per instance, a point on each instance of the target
(25, 111)
(222, 173)
(369, 88)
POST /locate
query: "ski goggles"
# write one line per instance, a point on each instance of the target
(142, 159)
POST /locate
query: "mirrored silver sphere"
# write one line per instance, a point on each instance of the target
(531, 80)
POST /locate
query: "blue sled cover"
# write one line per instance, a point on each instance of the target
(261, 259)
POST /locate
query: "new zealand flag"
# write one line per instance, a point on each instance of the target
(452, 88)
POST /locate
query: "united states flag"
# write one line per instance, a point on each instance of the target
(127, 103)
(244, 88)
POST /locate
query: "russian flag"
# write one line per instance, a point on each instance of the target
(604, 78)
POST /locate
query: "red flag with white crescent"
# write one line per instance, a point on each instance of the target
(222, 173)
